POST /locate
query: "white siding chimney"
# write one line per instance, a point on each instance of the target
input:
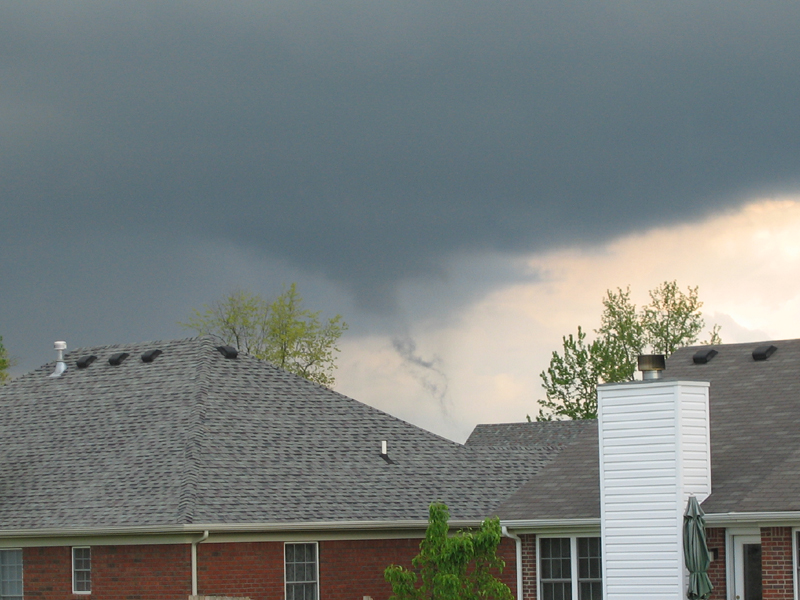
(655, 452)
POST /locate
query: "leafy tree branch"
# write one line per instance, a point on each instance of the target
(6, 362)
(671, 320)
(282, 332)
(459, 567)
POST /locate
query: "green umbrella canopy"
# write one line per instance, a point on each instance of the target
(695, 551)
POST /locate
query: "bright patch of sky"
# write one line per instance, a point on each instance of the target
(485, 359)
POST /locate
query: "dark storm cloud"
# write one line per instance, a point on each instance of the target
(365, 141)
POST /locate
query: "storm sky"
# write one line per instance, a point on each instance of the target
(402, 161)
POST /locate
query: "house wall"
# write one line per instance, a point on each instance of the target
(776, 563)
(715, 538)
(528, 567)
(118, 572)
(246, 569)
(348, 570)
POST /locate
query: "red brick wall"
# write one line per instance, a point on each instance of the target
(152, 572)
(528, 567)
(508, 552)
(47, 572)
(715, 538)
(349, 570)
(776, 563)
(248, 569)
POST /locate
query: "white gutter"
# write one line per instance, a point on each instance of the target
(200, 528)
(533, 524)
(761, 518)
(518, 525)
(518, 543)
(194, 561)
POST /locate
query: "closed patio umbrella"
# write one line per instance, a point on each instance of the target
(695, 551)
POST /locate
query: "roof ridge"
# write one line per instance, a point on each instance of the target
(195, 435)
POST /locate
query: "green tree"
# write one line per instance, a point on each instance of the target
(620, 338)
(671, 320)
(282, 332)
(5, 363)
(458, 567)
(570, 381)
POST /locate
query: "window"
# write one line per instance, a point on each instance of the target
(10, 574)
(301, 571)
(81, 570)
(562, 577)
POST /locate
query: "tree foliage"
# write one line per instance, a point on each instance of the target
(671, 320)
(282, 332)
(571, 379)
(5, 363)
(458, 567)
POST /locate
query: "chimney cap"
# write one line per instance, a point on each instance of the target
(652, 362)
(60, 345)
(651, 365)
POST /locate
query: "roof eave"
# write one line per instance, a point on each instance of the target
(535, 525)
(199, 528)
(764, 519)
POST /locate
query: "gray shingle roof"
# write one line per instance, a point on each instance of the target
(755, 425)
(755, 440)
(194, 437)
(567, 487)
(532, 434)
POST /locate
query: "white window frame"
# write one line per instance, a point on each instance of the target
(573, 561)
(72, 552)
(22, 573)
(316, 574)
(730, 554)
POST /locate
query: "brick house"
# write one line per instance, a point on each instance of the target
(620, 486)
(166, 469)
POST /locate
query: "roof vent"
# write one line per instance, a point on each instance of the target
(116, 359)
(651, 365)
(61, 366)
(701, 357)
(763, 352)
(385, 452)
(85, 361)
(228, 351)
(150, 355)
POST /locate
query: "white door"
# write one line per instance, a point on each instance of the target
(747, 567)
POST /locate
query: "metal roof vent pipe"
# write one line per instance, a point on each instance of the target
(651, 365)
(61, 366)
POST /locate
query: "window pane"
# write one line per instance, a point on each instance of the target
(589, 569)
(557, 591)
(81, 569)
(555, 561)
(752, 571)
(301, 571)
(591, 590)
(11, 574)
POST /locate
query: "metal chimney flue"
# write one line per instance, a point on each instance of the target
(61, 366)
(651, 365)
